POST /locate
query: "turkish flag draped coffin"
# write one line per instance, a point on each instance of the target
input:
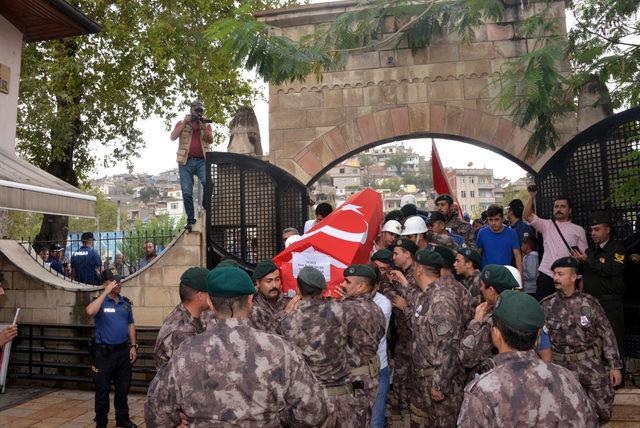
(343, 238)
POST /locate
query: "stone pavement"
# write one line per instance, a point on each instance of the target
(66, 408)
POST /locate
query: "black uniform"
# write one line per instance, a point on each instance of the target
(111, 359)
(604, 279)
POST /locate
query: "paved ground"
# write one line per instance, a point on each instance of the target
(65, 408)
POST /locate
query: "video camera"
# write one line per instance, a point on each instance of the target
(200, 118)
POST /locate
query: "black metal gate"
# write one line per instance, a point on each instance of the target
(249, 203)
(587, 169)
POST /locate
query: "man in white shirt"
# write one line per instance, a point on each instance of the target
(322, 211)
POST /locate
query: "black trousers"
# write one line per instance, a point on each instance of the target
(111, 366)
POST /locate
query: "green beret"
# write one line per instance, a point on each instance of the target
(567, 262)
(360, 270)
(229, 281)
(196, 278)
(445, 197)
(407, 244)
(448, 255)
(263, 269)
(499, 277)
(384, 255)
(429, 258)
(519, 311)
(472, 255)
(312, 277)
(600, 217)
(228, 263)
(409, 210)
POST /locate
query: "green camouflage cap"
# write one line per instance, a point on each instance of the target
(263, 269)
(499, 277)
(519, 311)
(312, 277)
(407, 244)
(566, 262)
(360, 270)
(229, 281)
(429, 258)
(472, 255)
(444, 197)
(448, 255)
(196, 278)
(384, 255)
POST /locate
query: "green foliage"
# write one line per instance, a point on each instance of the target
(365, 160)
(511, 193)
(149, 193)
(23, 225)
(396, 161)
(160, 229)
(391, 183)
(423, 180)
(627, 189)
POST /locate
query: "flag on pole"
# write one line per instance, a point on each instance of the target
(344, 237)
(440, 181)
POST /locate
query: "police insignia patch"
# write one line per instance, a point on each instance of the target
(618, 257)
(443, 329)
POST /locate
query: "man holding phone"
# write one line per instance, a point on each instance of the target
(561, 238)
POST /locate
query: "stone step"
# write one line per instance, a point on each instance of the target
(626, 409)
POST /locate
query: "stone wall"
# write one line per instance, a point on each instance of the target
(392, 93)
(153, 290)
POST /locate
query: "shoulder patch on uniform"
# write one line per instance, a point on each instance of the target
(618, 257)
(443, 328)
(469, 342)
(586, 310)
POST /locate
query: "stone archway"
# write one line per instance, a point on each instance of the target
(393, 93)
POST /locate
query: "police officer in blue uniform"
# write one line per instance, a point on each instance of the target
(85, 263)
(54, 258)
(115, 350)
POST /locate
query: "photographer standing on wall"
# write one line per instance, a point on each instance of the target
(195, 136)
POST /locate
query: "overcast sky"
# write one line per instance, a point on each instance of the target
(159, 153)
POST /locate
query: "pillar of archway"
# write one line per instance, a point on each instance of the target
(394, 93)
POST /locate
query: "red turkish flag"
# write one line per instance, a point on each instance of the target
(344, 238)
(440, 182)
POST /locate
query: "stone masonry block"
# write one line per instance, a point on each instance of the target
(148, 317)
(437, 118)
(171, 275)
(368, 129)
(301, 134)
(363, 60)
(295, 169)
(476, 88)
(13, 299)
(44, 316)
(372, 95)
(470, 123)
(444, 53)
(332, 98)
(335, 140)
(324, 117)
(400, 121)
(503, 132)
(384, 124)
(482, 50)
(510, 48)
(417, 93)
(158, 296)
(150, 277)
(351, 133)
(445, 90)
(309, 163)
(453, 120)
(133, 293)
(487, 128)
(40, 299)
(499, 32)
(352, 97)
(300, 100)
(288, 120)
(419, 118)
(322, 151)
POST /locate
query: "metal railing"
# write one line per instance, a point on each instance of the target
(130, 245)
(59, 353)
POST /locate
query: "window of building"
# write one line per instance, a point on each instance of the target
(462, 180)
(472, 193)
(473, 180)
(174, 205)
(341, 171)
(464, 207)
(463, 194)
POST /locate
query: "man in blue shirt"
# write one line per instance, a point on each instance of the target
(514, 215)
(115, 350)
(54, 258)
(85, 263)
(499, 244)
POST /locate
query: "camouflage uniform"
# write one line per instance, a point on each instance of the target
(462, 228)
(319, 330)
(462, 296)
(476, 348)
(233, 374)
(437, 328)
(175, 329)
(266, 314)
(207, 317)
(580, 332)
(365, 328)
(443, 240)
(472, 284)
(522, 390)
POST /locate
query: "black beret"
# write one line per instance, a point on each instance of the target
(407, 244)
(568, 262)
(600, 217)
(472, 255)
(409, 210)
(360, 270)
(444, 197)
(263, 269)
(196, 278)
(435, 216)
(429, 258)
(499, 277)
(383, 255)
(229, 281)
(448, 255)
(312, 277)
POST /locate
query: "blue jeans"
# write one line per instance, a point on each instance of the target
(193, 167)
(377, 413)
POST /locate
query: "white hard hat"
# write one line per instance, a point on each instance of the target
(414, 225)
(392, 226)
(516, 274)
(407, 199)
(292, 239)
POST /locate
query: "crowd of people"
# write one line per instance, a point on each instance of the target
(448, 324)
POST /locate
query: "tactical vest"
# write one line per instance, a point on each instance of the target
(185, 143)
